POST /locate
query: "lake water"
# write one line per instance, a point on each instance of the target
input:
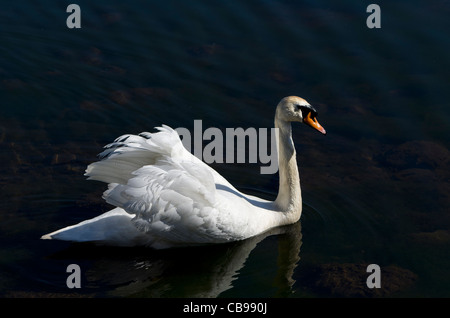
(376, 188)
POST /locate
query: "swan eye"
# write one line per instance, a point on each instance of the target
(302, 108)
(306, 109)
(305, 112)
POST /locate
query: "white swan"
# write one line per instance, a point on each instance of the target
(167, 197)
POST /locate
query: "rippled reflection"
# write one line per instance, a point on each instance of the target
(206, 271)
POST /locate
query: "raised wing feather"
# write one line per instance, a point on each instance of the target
(171, 193)
(130, 152)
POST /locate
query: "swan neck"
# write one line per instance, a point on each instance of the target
(289, 198)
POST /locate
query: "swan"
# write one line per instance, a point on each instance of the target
(166, 197)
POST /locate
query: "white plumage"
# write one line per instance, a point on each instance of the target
(167, 197)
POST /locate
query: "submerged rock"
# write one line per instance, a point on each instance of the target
(349, 280)
(416, 155)
(435, 237)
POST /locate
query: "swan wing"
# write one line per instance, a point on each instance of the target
(128, 153)
(170, 192)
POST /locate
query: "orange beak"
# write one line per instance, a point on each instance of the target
(314, 123)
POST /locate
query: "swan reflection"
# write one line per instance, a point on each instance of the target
(204, 271)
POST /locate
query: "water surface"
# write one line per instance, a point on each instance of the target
(375, 189)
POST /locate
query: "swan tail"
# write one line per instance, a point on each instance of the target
(111, 228)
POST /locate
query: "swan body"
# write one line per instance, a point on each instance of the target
(166, 197)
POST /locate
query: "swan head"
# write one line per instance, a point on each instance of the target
(294, 108)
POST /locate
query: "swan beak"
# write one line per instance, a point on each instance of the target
(314, 123)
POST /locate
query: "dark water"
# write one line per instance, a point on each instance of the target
(376, 189)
